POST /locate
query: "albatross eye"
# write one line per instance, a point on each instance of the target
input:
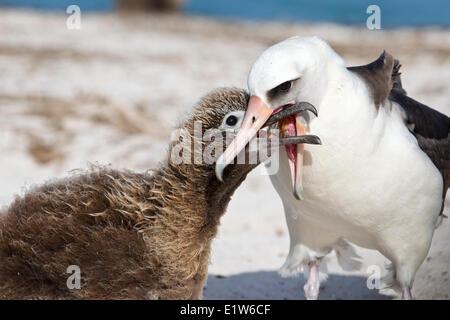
(231, 120)
(285, 86)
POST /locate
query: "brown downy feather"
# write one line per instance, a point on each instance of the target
(133, 235)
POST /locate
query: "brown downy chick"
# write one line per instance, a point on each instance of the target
(133, 235)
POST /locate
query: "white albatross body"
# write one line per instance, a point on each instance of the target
(369, 182)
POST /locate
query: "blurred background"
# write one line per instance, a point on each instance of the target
(112, 91)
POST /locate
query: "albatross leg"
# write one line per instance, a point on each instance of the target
(311, 287)
(406, 294)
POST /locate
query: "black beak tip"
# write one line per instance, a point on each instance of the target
(313, 139)
(312, 109)
(318, 141)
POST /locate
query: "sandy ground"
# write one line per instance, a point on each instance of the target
(112, 91)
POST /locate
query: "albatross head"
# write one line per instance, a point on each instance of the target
(290, 72)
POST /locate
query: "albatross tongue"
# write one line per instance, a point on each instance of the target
(291, 126)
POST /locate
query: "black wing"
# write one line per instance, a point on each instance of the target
(430, 127)
(378, 77)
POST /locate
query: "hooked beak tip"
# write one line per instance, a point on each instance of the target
(298, 192)
(219, 171)
(314, 111)
(318, 141)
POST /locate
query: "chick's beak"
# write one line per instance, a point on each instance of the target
(292, 136)
(254, 119)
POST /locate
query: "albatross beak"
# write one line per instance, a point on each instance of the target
(293, 136)
(255, 117)
(292, 126)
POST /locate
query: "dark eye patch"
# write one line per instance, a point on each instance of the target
(284, 87)
(280, 89)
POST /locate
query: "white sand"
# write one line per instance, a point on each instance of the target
(112, 91)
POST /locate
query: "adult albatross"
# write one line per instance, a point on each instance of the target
(379, 178)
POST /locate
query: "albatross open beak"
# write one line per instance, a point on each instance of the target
(292, 126)
(258, 115)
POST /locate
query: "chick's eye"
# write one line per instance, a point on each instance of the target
(231, 120)
(285, 86)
